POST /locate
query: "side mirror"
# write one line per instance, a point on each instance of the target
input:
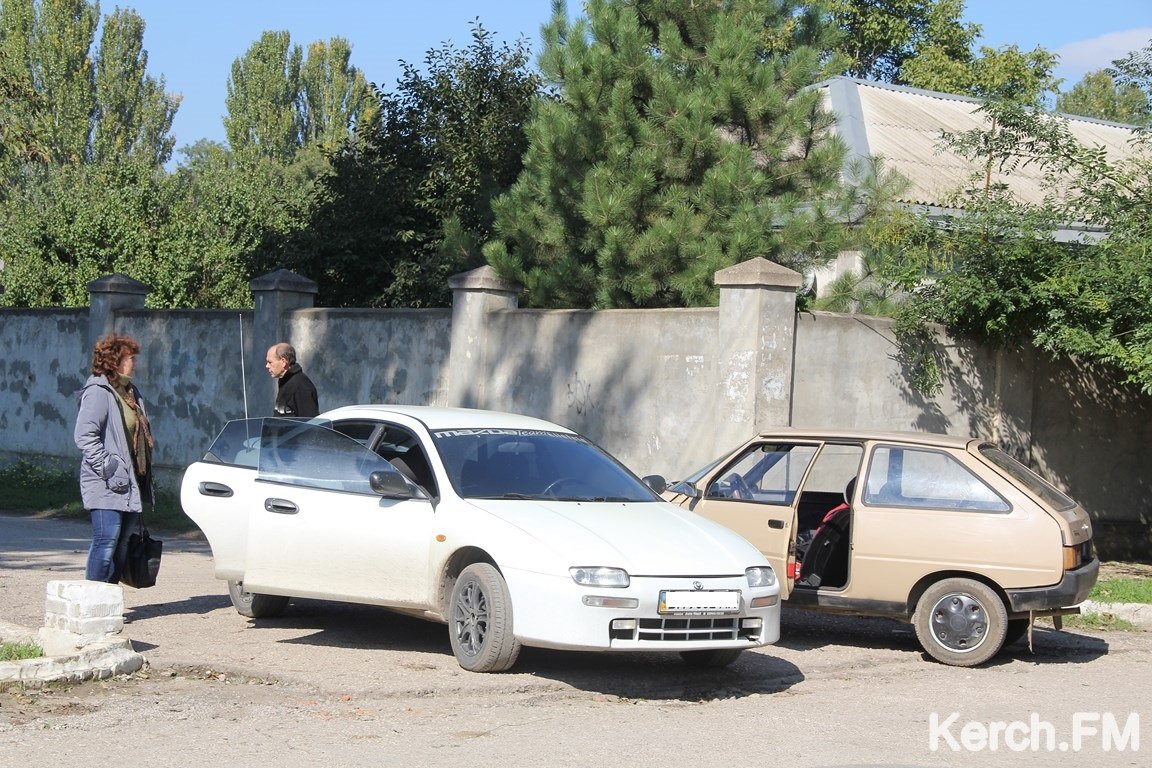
(391, 485)
(684, 488)
(656, 483)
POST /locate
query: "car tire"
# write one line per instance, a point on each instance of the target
(480, 620)
(714, 658)
(960, 622)
(255, 606)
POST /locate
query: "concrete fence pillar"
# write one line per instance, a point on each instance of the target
(106, 297)
(474, 295)
(276, 295)
(757, 335)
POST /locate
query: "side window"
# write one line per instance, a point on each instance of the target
(921, 477)
(402, 449)
(767, 473)
(312, 456)
(360, 431)
(238, 443)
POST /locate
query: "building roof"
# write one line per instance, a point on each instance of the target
(905, 126)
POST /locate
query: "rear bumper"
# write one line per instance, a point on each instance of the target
(1072, 590)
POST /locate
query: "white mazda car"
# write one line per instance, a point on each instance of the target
(511, 530)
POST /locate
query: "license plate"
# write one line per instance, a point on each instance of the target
(699, 602)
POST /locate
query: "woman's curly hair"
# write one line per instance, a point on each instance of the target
(108, 353)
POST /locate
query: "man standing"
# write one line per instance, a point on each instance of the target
(295, 393)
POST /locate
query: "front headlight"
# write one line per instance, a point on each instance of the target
(598, 576)
(760, 576)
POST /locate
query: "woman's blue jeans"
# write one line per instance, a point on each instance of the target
(110, 531)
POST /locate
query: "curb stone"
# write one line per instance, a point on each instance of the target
(97, 660)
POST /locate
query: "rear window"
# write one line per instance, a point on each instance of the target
(1038, 486)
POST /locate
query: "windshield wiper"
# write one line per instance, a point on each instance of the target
(517, 496)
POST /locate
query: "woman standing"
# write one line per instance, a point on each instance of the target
(113, 434)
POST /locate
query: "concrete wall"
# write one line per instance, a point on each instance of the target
(639, 382)
(45, 358)
(664, 390)
(368, 356)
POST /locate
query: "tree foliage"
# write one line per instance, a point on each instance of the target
(278, 101)
(83, 105)
(995, 73)
(880, 36)
(83, 191)
(1000, 274)
(408, 201)
(1098, 95)
(683, 141)
(926, 44)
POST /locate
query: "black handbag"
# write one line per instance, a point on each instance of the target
(142, 564)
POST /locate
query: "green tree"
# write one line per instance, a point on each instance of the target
(278, 101)
(133, 114)
(879, 36)
(408, 201)
(926, 44)
(995, 73)
(1097, 95)
(683, 141)
(1135, 70)
(262, 99)
(83, 193)
(83, 105)
(80, 222)
(334, 97)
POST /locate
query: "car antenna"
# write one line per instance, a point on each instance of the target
(243, 366)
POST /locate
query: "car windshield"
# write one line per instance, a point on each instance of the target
(534, 464)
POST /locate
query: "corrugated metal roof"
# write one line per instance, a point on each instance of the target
(906, 127)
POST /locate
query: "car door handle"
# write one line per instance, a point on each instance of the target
(215, 489)
(281, 506)
(775, 523)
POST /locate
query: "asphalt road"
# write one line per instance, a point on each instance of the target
(355, 685)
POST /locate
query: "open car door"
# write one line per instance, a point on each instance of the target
(754, 494)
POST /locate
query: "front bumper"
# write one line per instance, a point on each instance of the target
(550, 613)
(1072, 590)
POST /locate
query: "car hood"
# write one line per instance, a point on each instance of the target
(644, 538)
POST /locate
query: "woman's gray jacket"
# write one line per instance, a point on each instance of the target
(107, 478)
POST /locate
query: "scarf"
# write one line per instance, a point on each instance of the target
(140, 441)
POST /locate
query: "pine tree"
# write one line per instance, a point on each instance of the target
(683, 141)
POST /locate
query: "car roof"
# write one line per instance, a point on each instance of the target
(826, 434)
(435, 417)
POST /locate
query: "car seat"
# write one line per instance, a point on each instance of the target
(826, 562)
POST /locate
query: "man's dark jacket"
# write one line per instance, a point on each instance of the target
(296, 395)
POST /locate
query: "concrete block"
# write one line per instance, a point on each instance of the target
(89, 610)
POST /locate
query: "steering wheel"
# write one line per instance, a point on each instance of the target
(550, 489)
(740, 487)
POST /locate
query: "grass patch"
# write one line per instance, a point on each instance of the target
(1122, 590)
(1099, 622)
(20, 651)
(29, 486)
(32, 488)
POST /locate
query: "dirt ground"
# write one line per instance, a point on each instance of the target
(1110, 570)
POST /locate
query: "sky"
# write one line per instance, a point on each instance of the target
(192, 45)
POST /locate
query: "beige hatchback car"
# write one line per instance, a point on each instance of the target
(950, 533)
